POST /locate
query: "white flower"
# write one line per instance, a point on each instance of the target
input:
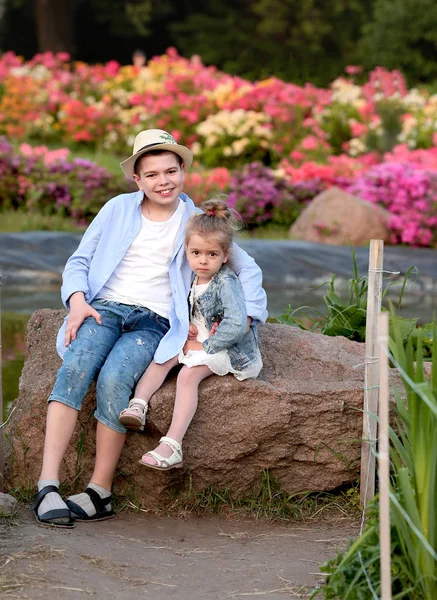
(196, 148)
(414, 99)
(356, 147)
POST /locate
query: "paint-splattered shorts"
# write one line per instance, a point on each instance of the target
(119, 350)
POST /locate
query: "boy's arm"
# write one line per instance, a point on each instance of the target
(75, 275)
(232, 327)
(250, 276)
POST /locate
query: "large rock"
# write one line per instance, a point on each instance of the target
(300, 420)
(336, 217)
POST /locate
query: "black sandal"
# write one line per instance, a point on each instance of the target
(48, 518)
(100, 504)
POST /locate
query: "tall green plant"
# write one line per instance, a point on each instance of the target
(414, 455)
(346, 312)
(355, 574)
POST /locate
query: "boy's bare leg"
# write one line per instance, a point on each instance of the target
(185, 407)
(109, 444)
(60, 424)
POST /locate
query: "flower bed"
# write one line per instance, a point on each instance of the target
(273, 145)
(227, 120)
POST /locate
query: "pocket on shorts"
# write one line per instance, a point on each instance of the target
(163, 322)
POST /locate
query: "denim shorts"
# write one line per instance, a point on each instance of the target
(119, 351)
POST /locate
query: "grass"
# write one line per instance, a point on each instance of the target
(266, 232)
(267, 502)
(12, 221)
(111, 162)
(16, 221)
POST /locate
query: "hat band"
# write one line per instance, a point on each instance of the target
(150, 145)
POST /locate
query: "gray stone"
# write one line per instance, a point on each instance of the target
(8, 505)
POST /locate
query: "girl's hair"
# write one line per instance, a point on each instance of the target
(217, 220)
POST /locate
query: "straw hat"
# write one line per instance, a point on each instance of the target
(155, 139)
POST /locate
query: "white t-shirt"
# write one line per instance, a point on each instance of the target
(142, 278)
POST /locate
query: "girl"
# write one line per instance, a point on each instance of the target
(218, 342)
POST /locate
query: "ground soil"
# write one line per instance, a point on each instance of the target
(166, 557)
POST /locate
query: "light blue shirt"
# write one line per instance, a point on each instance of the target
(107, 240)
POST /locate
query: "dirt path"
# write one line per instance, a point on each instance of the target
(142, 555)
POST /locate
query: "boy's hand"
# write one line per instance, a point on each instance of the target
(79, 311)
(192, 332)
(192, 345)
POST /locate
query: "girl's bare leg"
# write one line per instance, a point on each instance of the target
(153, 378)
(185, 407)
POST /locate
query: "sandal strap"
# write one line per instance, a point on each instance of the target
(138, 401)
(167, 461)
(159, 459)
(100, 504)
(42, 494)
(174, 445)
(56, 513)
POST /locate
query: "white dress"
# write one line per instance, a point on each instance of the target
(220, 362)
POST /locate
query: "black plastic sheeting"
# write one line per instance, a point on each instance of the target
(282, 262)
(291, 269)
(35, 251)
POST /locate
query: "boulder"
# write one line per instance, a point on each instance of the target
(336, 217)
(300, 420)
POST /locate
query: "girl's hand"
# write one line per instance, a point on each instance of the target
(79, 311)
(192, 332)
(213, 328)
(192, 345)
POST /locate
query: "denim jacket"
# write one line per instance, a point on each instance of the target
(223, 301)
(106, 241)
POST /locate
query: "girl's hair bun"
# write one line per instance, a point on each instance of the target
(218, 219)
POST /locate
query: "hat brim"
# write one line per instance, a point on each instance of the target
(186, 155)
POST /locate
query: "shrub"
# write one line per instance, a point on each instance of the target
(261, 197)
(201, 184)
(408, 193)
(39, 182)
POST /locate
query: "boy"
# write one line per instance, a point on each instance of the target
(126, 287)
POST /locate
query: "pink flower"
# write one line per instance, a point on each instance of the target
(358, 129)
(353, 69)
(310, 142)
(26, 150)
(297, 156)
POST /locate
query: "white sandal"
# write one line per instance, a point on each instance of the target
(134, 416)
(174, 461)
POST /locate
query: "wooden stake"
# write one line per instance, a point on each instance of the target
(371, 379)
(384, 461)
